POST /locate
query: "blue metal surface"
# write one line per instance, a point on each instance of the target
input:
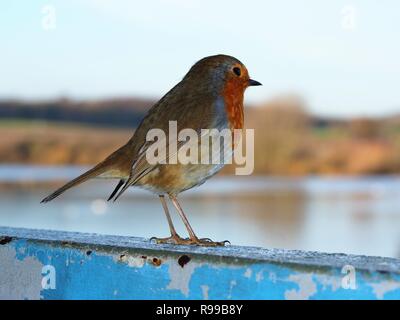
(52, 265)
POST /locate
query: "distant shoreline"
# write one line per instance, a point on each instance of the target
(288, 140)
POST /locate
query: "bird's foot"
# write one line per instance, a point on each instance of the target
(207, 242)
(176, 239)
(173, 239)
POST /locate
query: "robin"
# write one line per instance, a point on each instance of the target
(210, 96)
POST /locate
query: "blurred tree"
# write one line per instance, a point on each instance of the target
(281, 135)
(365, 128)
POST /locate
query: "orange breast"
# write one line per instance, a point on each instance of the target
(233, 97)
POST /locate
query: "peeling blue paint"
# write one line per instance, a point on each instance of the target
(115, 273)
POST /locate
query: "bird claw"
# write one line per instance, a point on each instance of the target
(176, 239)
(207, 242)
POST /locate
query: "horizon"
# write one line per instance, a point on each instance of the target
(153, 100)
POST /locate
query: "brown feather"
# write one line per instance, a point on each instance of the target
(114, 166)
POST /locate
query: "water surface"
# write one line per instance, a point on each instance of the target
(341, 214)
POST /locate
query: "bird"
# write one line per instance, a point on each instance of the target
(209, 96)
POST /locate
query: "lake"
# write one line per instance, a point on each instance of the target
(331, 214)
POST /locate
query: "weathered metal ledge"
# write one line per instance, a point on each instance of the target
(44, 264)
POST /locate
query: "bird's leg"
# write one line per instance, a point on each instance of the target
(193, 239)
(174, 238)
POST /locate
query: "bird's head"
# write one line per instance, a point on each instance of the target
(219, 71)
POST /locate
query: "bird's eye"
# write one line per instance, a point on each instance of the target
(237, 71)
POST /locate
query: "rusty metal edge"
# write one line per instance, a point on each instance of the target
(256, 254)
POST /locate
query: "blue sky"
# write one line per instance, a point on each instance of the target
(341, 56)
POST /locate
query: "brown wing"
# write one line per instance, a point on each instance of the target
(189, 108)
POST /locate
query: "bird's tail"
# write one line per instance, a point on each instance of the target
(119, 185)
(115, 162)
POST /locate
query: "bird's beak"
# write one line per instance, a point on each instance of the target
(254, 83)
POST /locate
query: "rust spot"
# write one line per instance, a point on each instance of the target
(5, 240)
(89, 252)
(121, 256)
(144, 257)
(156, 262)
(383, 272)
(183, 260)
